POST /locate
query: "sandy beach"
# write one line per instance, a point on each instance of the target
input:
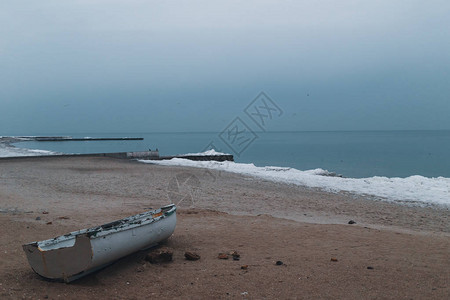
(392, 252)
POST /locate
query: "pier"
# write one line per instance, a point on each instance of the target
(150, 155)
(147, 155)
(154, 155)
(223, 157)
(69, 138)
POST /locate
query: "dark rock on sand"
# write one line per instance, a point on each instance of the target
(222, 256)
(191, 255)
(160, 255)
(235, 254)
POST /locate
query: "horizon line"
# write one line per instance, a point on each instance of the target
(256, 131)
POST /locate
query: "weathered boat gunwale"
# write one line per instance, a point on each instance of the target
(100, 231)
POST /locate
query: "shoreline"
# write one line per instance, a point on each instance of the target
(413, 190)
(406, 248)
(335, 207)
(219, 163)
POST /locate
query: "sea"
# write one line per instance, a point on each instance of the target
(407, 167)
(356, 154)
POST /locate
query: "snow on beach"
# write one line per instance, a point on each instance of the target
(211, 152)
(413, 190)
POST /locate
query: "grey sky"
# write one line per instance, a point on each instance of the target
(96, 66)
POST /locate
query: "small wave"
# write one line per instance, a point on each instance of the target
(7, 151)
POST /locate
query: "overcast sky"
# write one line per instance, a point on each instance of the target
(146, 66)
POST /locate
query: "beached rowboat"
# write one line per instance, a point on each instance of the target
(76, 254)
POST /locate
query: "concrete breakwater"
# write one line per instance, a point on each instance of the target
(222, 157)
(154, 155)
(69, 138)
(150, 155)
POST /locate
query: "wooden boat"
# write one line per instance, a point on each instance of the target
(76, 254)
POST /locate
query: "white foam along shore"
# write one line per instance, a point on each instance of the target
(6, 150)
(21, 152)
(413, 190)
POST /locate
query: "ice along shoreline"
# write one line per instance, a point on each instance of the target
(413, 190)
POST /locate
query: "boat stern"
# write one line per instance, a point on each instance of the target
(53, 263)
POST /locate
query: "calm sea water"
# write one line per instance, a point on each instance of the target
(351, 153)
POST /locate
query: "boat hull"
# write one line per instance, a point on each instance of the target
(79, 253)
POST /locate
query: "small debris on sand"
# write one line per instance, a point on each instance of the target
(235, 255)
(370, 268)
(38, 218)
(45, 212)
(222, 256)
(49, 223)
(244, 267)
(160, 255)
(140, 269)
(64, 218)
(191, 255)
(334, 259)
(279, 263)
(351, 222)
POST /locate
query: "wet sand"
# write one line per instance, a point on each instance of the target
(406, 248)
